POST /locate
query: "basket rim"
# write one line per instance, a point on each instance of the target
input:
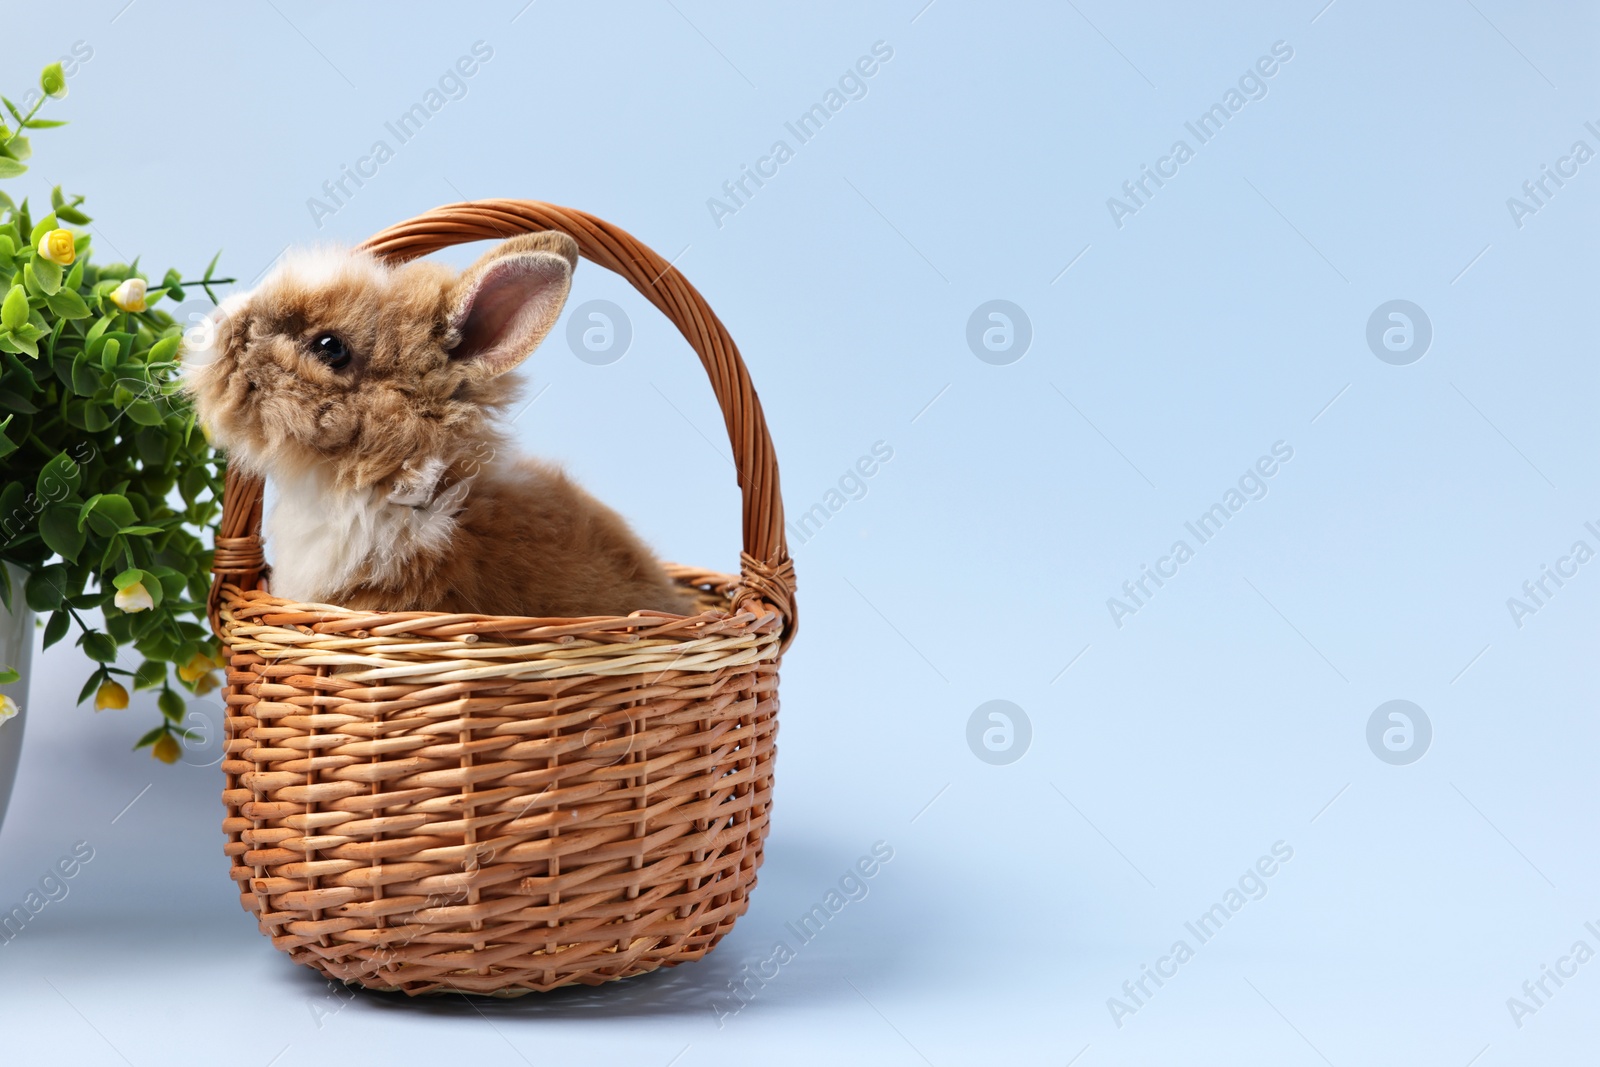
(392, 644)
(749, 614)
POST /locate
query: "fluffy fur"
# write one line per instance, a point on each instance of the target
(395, 488)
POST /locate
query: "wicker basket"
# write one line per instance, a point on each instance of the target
(427, 802)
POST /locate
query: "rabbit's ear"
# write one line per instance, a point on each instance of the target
(506, 303)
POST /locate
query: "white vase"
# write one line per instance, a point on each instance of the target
(16, 650)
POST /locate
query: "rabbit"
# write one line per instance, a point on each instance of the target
(369, 394)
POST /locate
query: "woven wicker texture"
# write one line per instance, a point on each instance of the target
(430, 803)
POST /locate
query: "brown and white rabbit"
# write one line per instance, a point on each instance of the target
(368, 395)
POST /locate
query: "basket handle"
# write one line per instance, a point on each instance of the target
(766, 572)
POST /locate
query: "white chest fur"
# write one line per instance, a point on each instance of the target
(325, 541)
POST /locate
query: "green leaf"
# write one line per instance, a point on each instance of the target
(44, 588)
(86, 416)
(87, 601)
(11, 342)
(58, 478)
(98, 646)
(153, 446)
(67, 304)
(24, 377)
(17, 403)
(165, 348)
(159, 644)
(172, 581)
(150, 738)
(172, 705)
(44, 226)
(193, 482)
(9, 675)
(14, 310)
(56, 628)
(114, 548)
(151, 673)
(97, 345)
(85, 378)
(91, 685)
(58, 526)
(145, 413)
(48, 273)
(106, 513)
(13, 499)
(10, 168)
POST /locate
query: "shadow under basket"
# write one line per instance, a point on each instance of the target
(469, 803)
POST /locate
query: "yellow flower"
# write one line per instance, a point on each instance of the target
(8, 708)
(129, 296)
(197, 666)
(57, 247)
(134, 598)
(167, 749)
(205, 684)
(110, 695)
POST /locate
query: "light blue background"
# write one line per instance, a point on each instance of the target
(1228, 714)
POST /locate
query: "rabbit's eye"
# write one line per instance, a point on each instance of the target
(330, 348)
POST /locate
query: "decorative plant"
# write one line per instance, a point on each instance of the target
(109, 484)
